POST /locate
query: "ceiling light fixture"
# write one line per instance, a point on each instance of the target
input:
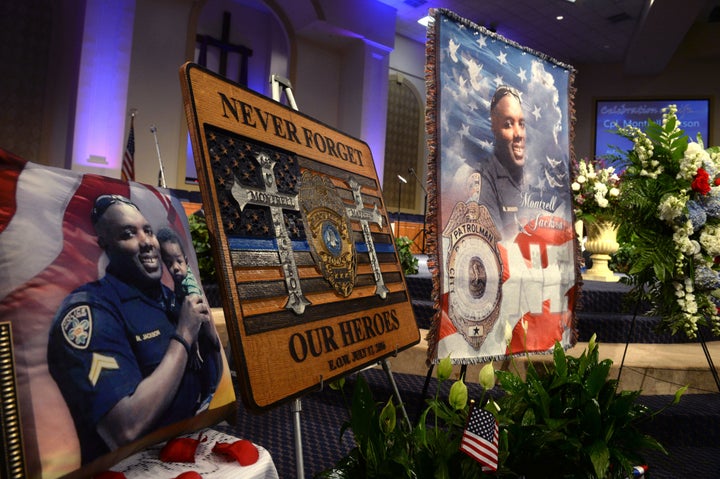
(559, 17)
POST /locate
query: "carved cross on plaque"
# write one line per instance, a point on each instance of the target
(365, 217)
(276, 201)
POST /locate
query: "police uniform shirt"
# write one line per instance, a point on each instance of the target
(499, 192)
(106, 337)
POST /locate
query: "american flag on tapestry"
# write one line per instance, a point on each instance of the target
(480, 438)
(128, 163)
(505, 257)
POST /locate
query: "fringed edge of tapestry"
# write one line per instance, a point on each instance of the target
(433, 203)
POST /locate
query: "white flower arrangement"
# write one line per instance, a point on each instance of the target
(671, 224)
(596, 190)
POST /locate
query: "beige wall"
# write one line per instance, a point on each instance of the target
(693, 71)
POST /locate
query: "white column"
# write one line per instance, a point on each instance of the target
(100, 116)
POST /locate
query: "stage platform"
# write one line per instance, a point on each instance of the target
(652, 368)
(655, 362)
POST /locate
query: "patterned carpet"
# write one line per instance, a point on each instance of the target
(690, 431)
(322, 416)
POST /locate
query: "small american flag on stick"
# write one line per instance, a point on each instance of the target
(480, 438)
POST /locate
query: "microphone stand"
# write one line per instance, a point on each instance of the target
(424, 228)
(402, 180)
(161, 175)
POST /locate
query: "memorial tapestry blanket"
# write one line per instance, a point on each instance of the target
(503, 250)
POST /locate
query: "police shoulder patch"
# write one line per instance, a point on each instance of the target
(76, 326)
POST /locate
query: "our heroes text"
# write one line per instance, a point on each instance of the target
(364, 331)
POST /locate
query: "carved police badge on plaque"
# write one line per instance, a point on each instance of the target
(329, 231)
(474, 271)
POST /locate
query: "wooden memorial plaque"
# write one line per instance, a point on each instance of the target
(311, 283)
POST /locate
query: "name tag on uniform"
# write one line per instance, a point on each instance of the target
(145, 336)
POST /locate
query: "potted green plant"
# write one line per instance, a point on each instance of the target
(408, 261)
(565, 419)
(569, 420)
(206, 263)
(387, 447)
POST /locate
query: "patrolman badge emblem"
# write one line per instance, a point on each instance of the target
(474, 271)
(329, 231)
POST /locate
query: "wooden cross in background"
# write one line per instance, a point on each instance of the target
(223, 43)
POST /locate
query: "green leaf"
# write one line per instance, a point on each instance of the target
(600, 458)
(408, 261)
(597, 377)
(442, 472)
(528, 418)
(678, 395)
(537, 391)
(556, 424)
(591, 421)
(510, 382)
(420, 430)
(337, 384)
(363, 415)
(200, 236)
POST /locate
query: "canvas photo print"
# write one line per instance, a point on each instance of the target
(114, 342)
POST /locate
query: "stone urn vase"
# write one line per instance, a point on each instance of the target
(601, 243)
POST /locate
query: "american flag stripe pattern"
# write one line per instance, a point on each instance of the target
(128, 163)
(480, 438)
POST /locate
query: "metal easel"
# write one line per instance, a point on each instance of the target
(281, 84)
(276, 83)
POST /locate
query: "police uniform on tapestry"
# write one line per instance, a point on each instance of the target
(106, 337)
(498, 192)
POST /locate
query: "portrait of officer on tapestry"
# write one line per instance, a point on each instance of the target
(499, 163)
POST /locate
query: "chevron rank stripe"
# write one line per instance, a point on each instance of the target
(99, 363)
